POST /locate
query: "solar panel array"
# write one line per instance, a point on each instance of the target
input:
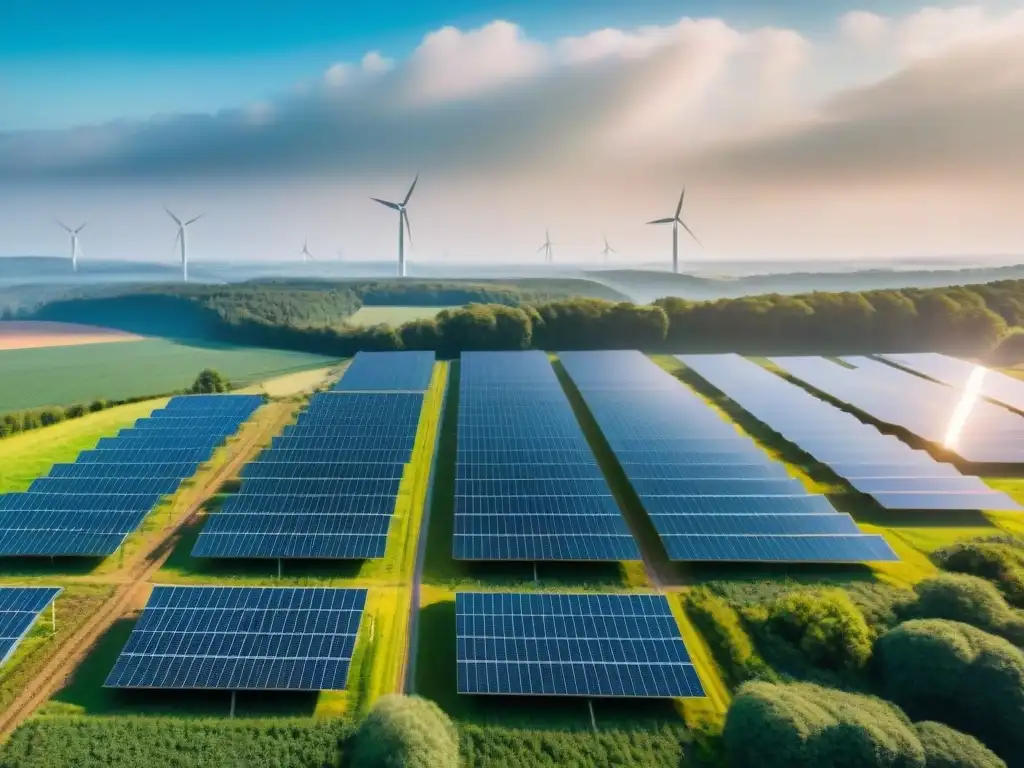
(242, 638)
(19, 608)
(958, 373)
(571, 645)
(711, 493)
(89, 507)
(327, 486)
(527, 484)
(958, 420)
(387, 372)
(881, 466)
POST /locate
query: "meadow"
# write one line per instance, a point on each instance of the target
(392, 315)
(35, 378)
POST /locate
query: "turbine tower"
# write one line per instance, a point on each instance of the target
(607, 249)
(182, 225)
(306, 255)
(403, 223)
(676, 221)
(74, 242)
(549, 257)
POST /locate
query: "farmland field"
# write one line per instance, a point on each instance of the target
(63, 375)
(392, 315)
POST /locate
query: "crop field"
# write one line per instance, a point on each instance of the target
(392, 315)
(35, 378)
(407, 640)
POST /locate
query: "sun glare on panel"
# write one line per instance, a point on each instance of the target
(972, 388)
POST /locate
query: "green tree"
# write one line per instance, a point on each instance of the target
(209, 382)
(405, 732)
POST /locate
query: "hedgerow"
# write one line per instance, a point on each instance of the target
(723, 629)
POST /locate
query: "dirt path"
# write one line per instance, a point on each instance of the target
(140, 569)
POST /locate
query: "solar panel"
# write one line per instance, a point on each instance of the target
(242, 638)
(595, 645)
(89, 507)
(710, 492)
(387, 371)
(19, 608)
(528, 485)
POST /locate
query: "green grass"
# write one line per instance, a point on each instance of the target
(392, 315)
(115, 371)
(26, 456)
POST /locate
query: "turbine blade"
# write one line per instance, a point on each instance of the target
(392, 206)
(193, 221)
(542, 248)
(64, 226)
(679, 208)
(691, 233)
(409, 193)
(176, 219)
(408, 229)
(661, 221)
(81, 228)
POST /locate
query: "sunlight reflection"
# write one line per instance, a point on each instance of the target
(963, 408)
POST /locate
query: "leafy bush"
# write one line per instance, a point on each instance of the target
(209, 382)
(824, 625)
(499, 747)
(158, 742)
(998, 559)
(1010, 349)
(946, 748)
(959, 675)
(974, 601)
(405, 732)
(807, 726)
(723, 629)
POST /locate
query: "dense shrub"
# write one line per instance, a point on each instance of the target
(209, 382)
(947, 748)
(1010, 349)
(722, 627)
(998, 559)
(807, 726)
(158, 742)
(23, 421)
(959, 675)
(972, 600)
(405, 732)
(499, 747)
(825, 625)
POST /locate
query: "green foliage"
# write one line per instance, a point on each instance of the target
(15, 422)
(807, 726)
(153, 742)
(998, 559)
(209, 382)
(498, 747)
(1010, 349)
(959, 675)
(405, 732)
(824, 625)
(947, 748)
(722, 627)
(972, 600)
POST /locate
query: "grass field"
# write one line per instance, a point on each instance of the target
(392, 315)
(26, 456)
(34, 378)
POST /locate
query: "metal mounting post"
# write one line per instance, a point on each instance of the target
(232, 704)
(536, 578)
(279, 568)
(593, 720)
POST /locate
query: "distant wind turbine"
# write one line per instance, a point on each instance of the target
(403, 223)
(74, 242)
(306, 255)
(607, 249)
(676, 221)
(182, 226)
(549, 256)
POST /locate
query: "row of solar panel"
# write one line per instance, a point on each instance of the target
(253, 638)
(742, 512)
(19, 608)
(387, 371)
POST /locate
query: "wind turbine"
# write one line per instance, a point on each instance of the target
(403, 219)
(181, 236)
(74, 242)
(548, 254)
(306, 255)
(675, 221)
(607, 249)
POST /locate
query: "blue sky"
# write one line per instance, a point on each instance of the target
(69, 62)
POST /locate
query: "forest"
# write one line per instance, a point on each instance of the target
(973, 320)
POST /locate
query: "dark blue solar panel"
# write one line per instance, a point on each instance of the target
(19, 608)
(387, 371)
(242, 638)
(571, 645)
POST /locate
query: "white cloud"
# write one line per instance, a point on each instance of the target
(863, 28)
(375, 62)
(338, 75)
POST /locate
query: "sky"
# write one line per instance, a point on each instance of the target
(829, 130)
